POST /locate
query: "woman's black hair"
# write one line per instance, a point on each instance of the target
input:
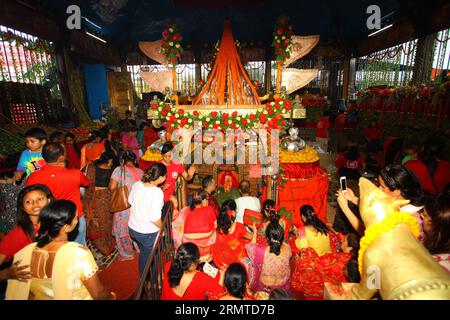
(55, 135)
(267, 206)
(438, 240)
(23, 219)
(433, 149)
(235, 280)
(398, 177)
(186, 255)
(274, 237)
(167, 147)
(153, 173)
(279, 294)
(393, 152)
(224, 222)
(142, 125)
(75, 144)
(353, 241)
(103, 133)
(94, 135)
(197, 198)
(53, 218)
(312, 219)
(104, 158)
(206, 181)
(128, 156)
(352, 154)
(132, 129)
(353, 271)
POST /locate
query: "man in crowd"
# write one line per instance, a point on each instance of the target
(246, 201)
(63, 183)
(209, 185)
(127, 123)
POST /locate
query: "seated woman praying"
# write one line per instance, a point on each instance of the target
(182, 280)
(314, 234)
(236, 285)
(268, 265)
(61, 270)
(231, 237)
(200, 225)
(311, 271)
(270, 212)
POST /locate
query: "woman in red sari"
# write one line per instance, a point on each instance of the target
(183, 281)
(200, 225)
(311, 271)
(231, 237)
(236, 285)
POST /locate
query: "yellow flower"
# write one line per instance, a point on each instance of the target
(170, 43)
(375, 230)
(177, 45)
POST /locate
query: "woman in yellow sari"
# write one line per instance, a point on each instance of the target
(61, 270)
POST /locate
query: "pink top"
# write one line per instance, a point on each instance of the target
(131, 143)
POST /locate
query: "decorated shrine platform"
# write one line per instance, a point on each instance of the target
(301, 181)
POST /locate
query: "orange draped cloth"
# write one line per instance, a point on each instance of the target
(228, 82)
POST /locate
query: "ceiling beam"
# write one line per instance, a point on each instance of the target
(408, 29)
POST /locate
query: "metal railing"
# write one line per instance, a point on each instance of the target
(151, 280)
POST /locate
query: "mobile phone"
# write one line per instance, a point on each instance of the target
(210, 270)
(343, 181)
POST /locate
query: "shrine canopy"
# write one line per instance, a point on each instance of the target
(228, 82)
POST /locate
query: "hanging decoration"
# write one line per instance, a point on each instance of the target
(171, 45)
(37, 45)
(282, 44)
(172, 51)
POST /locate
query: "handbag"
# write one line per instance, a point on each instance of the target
(119, 198)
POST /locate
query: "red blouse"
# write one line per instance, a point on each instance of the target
(15, 241)
(229, 248)
(73, 157)
(200, 285)
(435, 184)
(200, 220)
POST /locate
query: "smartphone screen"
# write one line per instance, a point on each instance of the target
(343, 183)
(210, 270)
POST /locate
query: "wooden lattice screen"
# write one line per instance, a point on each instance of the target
(26, 103)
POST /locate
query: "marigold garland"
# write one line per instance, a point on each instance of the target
(390, 222)
(171, 45)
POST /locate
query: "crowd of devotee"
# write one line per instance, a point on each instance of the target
(61, 194)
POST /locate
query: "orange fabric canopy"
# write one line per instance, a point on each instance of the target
(228, 82)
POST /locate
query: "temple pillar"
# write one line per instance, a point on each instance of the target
(349, 69)
(268, 77)
(424, 59)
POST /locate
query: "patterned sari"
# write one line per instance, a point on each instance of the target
(124, 243)
(99, 220)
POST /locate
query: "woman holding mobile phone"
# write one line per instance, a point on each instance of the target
(183, 281)
(395, 180)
